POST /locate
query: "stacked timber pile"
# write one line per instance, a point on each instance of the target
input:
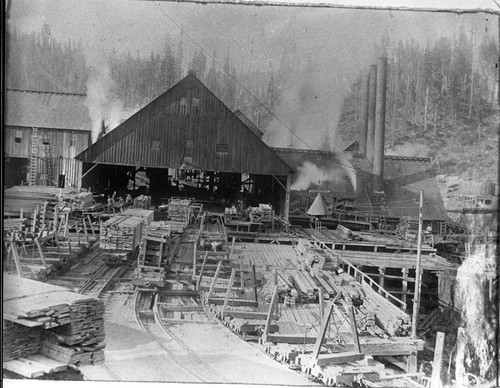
(178, 210)
(142, 202)
(160, 228)
(394, 321)
(145, 215)
(261, 214)
(13, 224)
(82, 201)
(61, 324)
(19, 341)
(122, 233)
(28, 197)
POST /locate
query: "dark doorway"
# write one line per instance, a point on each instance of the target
(15, 171)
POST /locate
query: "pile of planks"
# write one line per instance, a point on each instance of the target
(178, 210)
(69, 325)
(145, 215)
(152, 259)
(13, 224)
(82, 201)
(261, 214)
(159, 228)
(390, 318)
(19, 340)
(121, 233)
(142, 202)
(304, 283)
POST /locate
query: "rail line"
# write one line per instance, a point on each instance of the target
(147, 322)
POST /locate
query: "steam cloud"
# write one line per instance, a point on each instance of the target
(103, 103)
(309, 175)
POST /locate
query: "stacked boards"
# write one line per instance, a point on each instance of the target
(53, 321)
(178, 210)
(121, 233)
(261, 214)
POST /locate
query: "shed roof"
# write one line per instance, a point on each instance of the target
(27, 108)
(186, 126)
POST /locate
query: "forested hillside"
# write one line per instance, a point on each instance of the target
(441, 99)
(442, 102)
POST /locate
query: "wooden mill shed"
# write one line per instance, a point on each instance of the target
(43, 132)
(187, 139)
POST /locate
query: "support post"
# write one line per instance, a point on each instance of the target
(354, 330)
(412, 360)
(438, 359)
(214, 281)
(195, 253)
(274, 300)
(405, 284)
(287, 198)
(254, 280)
(40, 251)
(16, 258)
(229, 290)
(233, 240)
(321, 304)
(322, 331)
(370, 131)
(198, 283)
(381, 279)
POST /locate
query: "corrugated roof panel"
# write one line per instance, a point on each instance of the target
(46, 110)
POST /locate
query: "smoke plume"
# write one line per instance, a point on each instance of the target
(311, 176)
(102, 101)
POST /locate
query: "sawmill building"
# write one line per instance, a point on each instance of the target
(43, 132)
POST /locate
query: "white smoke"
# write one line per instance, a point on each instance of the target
(310, 175)
(102, 101)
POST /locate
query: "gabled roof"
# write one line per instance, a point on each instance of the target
(249, 123)
(186, 126)
(26, 108)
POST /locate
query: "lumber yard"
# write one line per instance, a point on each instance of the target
(179, 247)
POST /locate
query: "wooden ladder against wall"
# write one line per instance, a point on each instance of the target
(49, 161)
(33, 157)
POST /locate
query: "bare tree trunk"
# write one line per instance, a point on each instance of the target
(395, 103)
(435, 120)
(471, 99)
(425, 109)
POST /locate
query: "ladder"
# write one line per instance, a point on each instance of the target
(33, 157)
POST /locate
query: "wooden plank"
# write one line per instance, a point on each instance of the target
(210, 292)
(338, 358)
(354, 330)
(201, 271)
(234, 302)
(274, 300)
(247, 315)
(438, 359)
(291, 339)
(322, 331)
(229, 290)
(23, 368)
(254, 279)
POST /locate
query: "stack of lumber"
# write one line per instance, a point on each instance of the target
(389, 317)
(142, 202)
(304, 283)
(212, 241)
(145, 215)
(28, 197)
(263, 213)
(178, 210)
(121, 233)
(158, 228)
(82, 201)
(175, 226)
(74, 323)
(19, 341)
(153, 258)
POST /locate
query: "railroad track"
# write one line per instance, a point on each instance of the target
(151, 323)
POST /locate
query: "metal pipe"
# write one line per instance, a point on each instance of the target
(379, 136)
(365, 91)
(370, 127)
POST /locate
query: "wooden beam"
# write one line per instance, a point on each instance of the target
(40, 251)
(234, 302)
(201, 271)
(321, 303)
(90, 169)
(354, 330)
(438, 359)
(195, 247)
(254, 279)
(338, 358)
(322, 331)
(229, 291)
(210, 292)
(291, 339)
(274, 301)
(287, 198)
(247, 315)
(17, 260)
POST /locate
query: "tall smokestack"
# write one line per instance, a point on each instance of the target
(365, 89)
(370, 129)
(379, 137)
